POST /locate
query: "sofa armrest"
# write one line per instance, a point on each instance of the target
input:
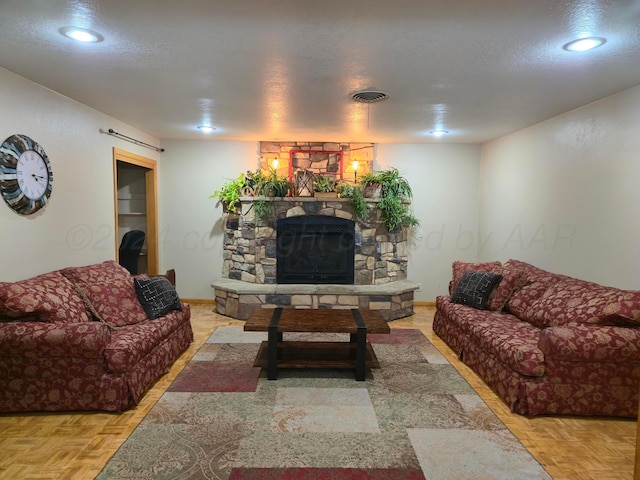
(594, 343)
(38, 339)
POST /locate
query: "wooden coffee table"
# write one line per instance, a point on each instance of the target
(277, 353)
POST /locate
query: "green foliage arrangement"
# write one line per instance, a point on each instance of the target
(263, 210)
(396, 214)
(393, 202)
(271, 185)
(323, 184)
(267, 185)
(370, 178)
(394, 185)
(355, 193)
(229, 193)
(395, 191)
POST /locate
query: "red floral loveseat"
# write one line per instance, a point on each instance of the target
(80, 339)
(548, 343)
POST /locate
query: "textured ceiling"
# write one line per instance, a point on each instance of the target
(286, 69)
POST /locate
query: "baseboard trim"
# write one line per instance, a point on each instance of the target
(423, 303)
(198, 301)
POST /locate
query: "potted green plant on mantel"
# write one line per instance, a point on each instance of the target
(371, 184)
(273, 186)
(395, 197)
(270, 185)
(392, 194)
(323, 187)
(229, 194)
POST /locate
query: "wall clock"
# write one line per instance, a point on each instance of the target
(25, 174)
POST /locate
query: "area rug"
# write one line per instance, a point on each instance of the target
(413, 418)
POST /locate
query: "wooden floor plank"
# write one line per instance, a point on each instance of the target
(76, 446)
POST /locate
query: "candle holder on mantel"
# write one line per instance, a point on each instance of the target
(303, 183)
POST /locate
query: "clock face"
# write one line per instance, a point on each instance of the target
(32, 175)
(25, 174)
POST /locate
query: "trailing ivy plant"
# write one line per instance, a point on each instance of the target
(355, 194)
(395, 214)
(263, 210)
(229, 193)
(394, 185)
(267, 185)
(395, 191)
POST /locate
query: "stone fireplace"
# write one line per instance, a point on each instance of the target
(314, 249)
(376, 271)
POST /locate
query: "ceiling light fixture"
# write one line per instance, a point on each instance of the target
(206, 128)
(81, 35)
(438, 133)
(584, 44)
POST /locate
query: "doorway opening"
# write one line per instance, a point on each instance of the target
(135, 198)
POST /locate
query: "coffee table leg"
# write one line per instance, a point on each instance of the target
(273, 336)
(361, 347)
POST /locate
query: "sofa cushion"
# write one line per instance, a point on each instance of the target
(44, 341)
(512, 280)
(625, 312)
(130, 344)
(592, 344)
(156, 295)
(50, 296)
(506, 337)
(96, 273)
(580, 302)
(113, 302)
(459, 268)
(511, 340)
(538, 281)
(474, 288)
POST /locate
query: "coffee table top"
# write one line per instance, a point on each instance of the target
(315, 320)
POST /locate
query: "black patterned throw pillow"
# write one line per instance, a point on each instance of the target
(157, 296)
(474, 288)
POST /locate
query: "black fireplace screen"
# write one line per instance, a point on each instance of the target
(315, 249)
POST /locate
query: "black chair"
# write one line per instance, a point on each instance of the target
(130, 249)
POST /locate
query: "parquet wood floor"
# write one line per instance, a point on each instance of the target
(77, 445)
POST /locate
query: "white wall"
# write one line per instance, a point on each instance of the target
(77, 226)
(190, 223)
(444, 179)
(565, 194)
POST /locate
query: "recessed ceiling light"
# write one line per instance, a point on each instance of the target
(206, 128)
(81, 35)
(438, 133)
(584, 44)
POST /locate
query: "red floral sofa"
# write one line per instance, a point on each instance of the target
(548, 343)
(79, 339)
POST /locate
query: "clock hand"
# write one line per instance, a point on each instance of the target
(37, 176)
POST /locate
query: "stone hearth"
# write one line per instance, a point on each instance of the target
(238, 299)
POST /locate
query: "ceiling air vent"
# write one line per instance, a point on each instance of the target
(369, 96)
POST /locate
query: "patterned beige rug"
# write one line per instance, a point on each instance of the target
(414, 418)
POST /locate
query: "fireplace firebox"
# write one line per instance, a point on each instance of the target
(315, 249)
